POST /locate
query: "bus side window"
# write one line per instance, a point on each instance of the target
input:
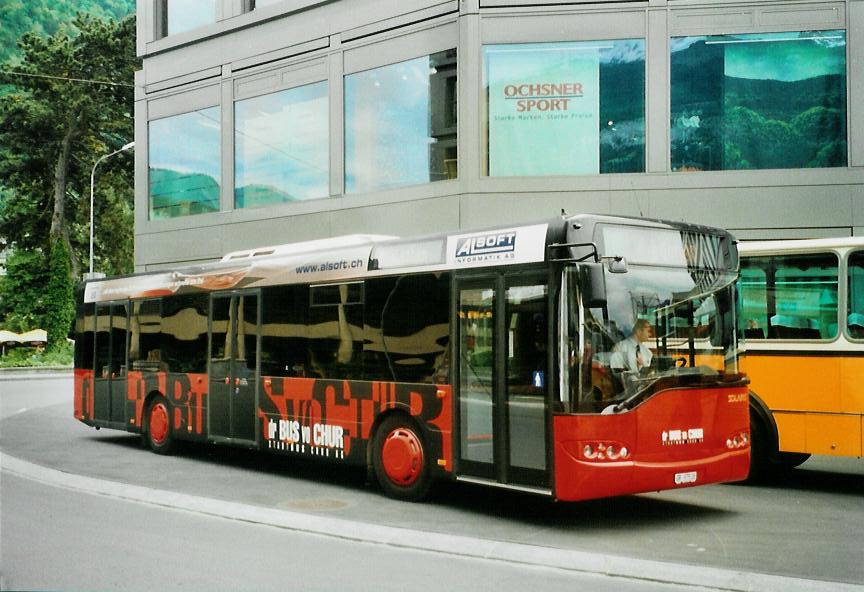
(336, 330)
(183, 337)
(855, 299)
(145, 327)
(85, 324)
(752, 287)
(285, 332)
(790, 297)
(406, 329)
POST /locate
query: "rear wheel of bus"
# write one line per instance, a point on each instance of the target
(766, 460)
(401, 460)
(159, 436)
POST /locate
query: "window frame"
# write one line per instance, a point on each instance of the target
(220, 152)
(847, 276)
(367, 59)
(707, 31)
(270, 81)
(161, 23)
(560, 27)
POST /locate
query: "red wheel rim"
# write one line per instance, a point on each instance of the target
(402, 456)
(158, 423)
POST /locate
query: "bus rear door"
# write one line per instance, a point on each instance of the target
(234, 329)
(109, 390)
(502, 381)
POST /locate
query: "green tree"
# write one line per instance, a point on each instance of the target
(52, 130)
(22, 291)
(59, 296)
(44, 17)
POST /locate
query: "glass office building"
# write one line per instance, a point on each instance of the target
(270, 121)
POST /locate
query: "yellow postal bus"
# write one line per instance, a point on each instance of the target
(802, 317)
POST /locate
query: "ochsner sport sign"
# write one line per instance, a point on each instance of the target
(544, 109)
(508, 246)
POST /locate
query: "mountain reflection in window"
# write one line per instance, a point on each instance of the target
(759, 101)
(184, 163)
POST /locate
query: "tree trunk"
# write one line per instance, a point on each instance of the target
(59, 227)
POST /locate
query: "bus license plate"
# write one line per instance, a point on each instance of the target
(684, 478)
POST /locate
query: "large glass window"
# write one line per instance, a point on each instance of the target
(177, 16)
(789, 297)
(184, 164)
(855, 305)
(759, 101)
(282, 150)
(573, 108)
(400, 124)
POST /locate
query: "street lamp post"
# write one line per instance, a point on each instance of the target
(90, 275)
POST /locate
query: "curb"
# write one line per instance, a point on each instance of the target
(34, 372)
(706, 578)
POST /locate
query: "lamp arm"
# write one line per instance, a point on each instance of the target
(92, 191)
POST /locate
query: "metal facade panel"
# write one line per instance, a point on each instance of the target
(793, 202)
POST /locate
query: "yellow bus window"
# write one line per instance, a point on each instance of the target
(855, 305)
(789, 297)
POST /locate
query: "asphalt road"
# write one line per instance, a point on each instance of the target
(807, 527)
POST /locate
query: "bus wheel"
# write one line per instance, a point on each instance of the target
(790, 460)
(401, 460)
(760, 450)
(159, 435)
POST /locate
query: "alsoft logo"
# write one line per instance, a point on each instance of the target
(486, 244)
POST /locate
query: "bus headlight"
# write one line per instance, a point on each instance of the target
(738, 440)
(604, 451)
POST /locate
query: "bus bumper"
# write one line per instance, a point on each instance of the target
(678, 438)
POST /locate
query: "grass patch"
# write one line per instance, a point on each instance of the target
(28, 357)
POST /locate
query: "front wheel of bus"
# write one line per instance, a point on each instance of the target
(159, 435)
(401, 460)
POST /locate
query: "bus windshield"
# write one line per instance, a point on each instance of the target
(661, 327)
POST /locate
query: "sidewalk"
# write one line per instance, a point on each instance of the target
(647, 571)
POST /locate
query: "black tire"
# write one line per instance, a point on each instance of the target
(159, 436)
(766, 461)
(400, 458)
(762, 450)
(790, 460)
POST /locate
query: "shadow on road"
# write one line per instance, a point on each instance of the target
(814, 480)
(628, 512)
(522, 508)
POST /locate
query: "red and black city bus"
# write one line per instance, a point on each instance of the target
(492, 357)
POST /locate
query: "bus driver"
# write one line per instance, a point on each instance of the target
(633, 353)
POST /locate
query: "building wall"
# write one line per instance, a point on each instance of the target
(294, 42)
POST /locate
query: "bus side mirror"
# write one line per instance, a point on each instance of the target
(593, 285)
(617, 265)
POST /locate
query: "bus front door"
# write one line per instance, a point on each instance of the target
(503, 411)
(234, 328)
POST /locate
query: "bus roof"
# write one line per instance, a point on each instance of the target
(312, 246)
(355, 257)
(776, 247)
